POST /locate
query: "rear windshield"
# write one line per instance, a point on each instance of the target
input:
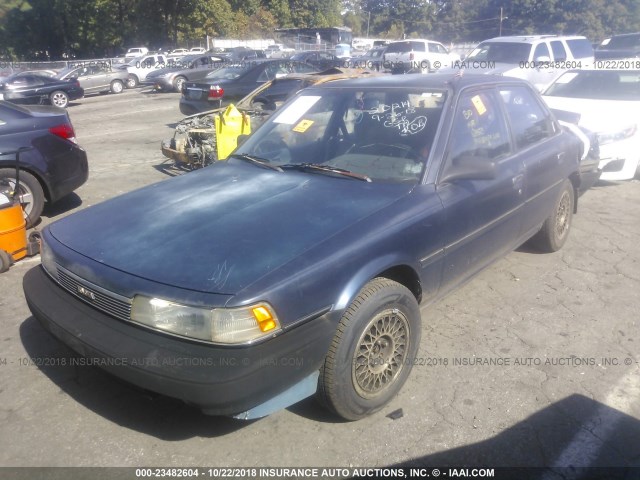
(623, 42)
(403, 47)
(501, 52)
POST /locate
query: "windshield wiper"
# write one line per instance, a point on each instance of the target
(327, 169)
(261, 162)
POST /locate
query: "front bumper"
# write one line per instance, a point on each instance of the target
(219, 380)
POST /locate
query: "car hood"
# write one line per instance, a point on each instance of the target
(490, 68)
(221, 228)
(599, 115)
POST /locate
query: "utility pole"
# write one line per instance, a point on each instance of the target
(502, 18)
(368, 20)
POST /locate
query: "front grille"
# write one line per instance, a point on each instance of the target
(99, 298)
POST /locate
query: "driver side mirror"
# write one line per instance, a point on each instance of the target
(468, 167)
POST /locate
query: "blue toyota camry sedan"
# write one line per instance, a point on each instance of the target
(297, 267)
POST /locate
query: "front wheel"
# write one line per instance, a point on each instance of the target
(371, 354)
(555, 229)
(6, 261)
(59, 99)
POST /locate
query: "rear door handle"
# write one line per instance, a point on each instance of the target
(517, 182)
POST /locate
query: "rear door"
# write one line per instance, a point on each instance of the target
(482, 216)
(541, 148)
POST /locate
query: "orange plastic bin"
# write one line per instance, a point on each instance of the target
(13, 232)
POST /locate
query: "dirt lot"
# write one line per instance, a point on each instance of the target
(535, 362)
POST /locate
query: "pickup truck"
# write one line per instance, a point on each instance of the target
(297, 267)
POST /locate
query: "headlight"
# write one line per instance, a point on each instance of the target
(47, 259)
(610, 137)
(219, 325)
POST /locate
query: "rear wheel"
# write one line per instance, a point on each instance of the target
(59, 99)
(30, 193)
(132, 81)
(555, 230)
(371, 354)
(117, 86)
(178, 83)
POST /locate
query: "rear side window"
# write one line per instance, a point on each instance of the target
(559, 53)
(530, 122)
(418, 47)
(580, 48)
(541, 51)
(399, 47)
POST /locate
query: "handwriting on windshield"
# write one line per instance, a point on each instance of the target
(396, 115)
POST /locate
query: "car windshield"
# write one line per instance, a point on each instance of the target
(229, 73)
(65, 71)
(501, 52)
(380, 135)
(598, 85)
(623, 42)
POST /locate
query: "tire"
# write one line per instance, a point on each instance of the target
(178, 82)
(59, 99)
(31, 194)
(555, 229)
(132, 81)
(370, 356)
(6, 261)
(117, 86)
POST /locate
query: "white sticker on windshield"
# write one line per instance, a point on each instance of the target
(297, 109)
(567, 77)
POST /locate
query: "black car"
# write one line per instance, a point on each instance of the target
(234, 82)
(38, 89)
(54, 167)
(320, 60)
(626, 45)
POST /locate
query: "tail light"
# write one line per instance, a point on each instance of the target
(215, 91)
(64, 130)
(411, 56)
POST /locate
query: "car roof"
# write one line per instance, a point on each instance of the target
(531, 38)
(413, 40)
(441, 81)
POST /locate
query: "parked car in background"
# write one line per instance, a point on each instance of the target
(96, 78)
(54, 166)
(608, 102)
(37, 89)
(626, 45)
(189, 68)
(197, 50)
(139, 67)
(179, 52)
(136, 52)
(372, 60)
(194, 141)
(319, 60)
(418, 55)
(231, 83)
(540, 59)
(315, 242)
(278, 50)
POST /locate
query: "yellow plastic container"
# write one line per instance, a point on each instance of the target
(13, 231)
(230, 124)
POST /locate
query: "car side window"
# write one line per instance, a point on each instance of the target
(541, 51)
(479, 128)
(529, 121)
(303, 68)
(559, 53)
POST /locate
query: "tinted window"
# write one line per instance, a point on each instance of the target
(504, 52)
(529, 121)
(559, 53)
(418, 46)
(580, 48)
(479, 129)
(624, 41)
(399, 47)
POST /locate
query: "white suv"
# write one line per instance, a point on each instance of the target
(418, 55)
(540, 59)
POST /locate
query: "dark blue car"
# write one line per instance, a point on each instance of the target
(297, 267)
